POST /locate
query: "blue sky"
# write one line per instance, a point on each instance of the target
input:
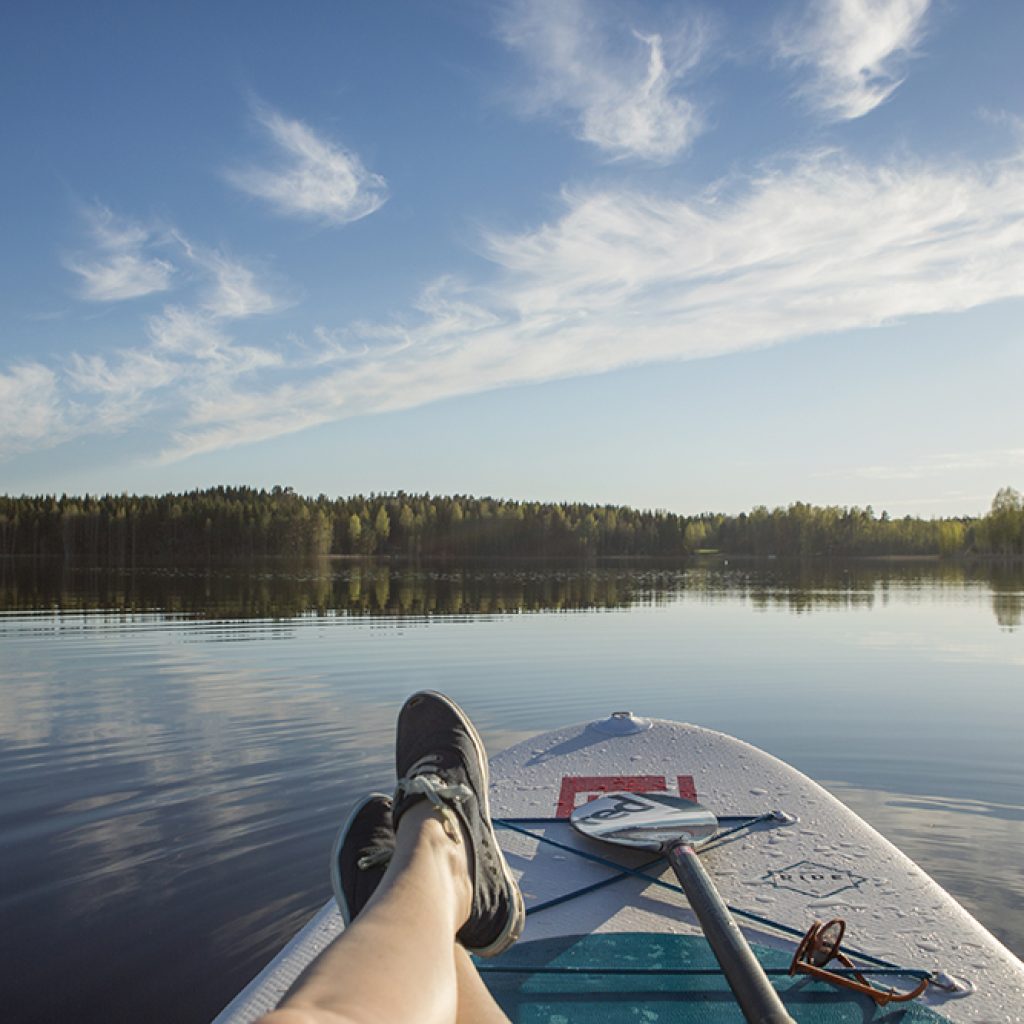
(684, 256)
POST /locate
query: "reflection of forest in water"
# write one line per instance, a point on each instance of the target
(331, 587)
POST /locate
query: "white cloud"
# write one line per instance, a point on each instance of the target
(943, 464)
(123, 276)
(188, 347)
(190, 363)
(135, 371)
(620, 279)
(620, 84)
(30, 410)
(856, 49)
(124, 267)
(197, 338)
(316, 178)
(121, 269)
(234, 293)
(121, 389)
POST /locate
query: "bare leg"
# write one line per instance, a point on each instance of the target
(476, 1004)
(398, 960)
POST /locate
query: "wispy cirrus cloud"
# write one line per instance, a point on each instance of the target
(31, 410)
(190, 360)
(233, 291)
(855, 50)
(824, 244)
(123, 265)
(187, 347)
(943, 464)
(120, 388)
(314, 178)
(618, 83)
(192, 336)
(820, 243)
(120, 267)
(237, 293)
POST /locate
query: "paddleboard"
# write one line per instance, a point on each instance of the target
(610, 936)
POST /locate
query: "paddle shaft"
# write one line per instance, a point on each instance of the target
(759, 1002)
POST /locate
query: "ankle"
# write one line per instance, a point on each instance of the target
(424, 829)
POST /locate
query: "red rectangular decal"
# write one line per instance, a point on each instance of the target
(574, 785)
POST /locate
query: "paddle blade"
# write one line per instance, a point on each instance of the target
(648, 821)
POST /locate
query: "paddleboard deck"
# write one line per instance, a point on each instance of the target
(610, 936)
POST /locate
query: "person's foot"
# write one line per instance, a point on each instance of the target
(361, 853)
(439, 757)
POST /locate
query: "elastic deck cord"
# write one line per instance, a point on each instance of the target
(519, 825)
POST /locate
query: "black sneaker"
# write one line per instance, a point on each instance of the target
(439, 757)
(361, 853)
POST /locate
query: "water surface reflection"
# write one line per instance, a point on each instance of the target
(347, 587)
(177, 748)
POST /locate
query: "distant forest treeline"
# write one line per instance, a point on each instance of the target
(230, 523)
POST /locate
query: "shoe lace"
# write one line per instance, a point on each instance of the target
(441, 795)
(376, 854)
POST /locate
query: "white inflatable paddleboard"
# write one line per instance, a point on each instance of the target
(610, 936)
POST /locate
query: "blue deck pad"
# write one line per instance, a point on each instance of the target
(661, 979)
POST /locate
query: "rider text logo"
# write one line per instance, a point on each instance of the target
(812, 879)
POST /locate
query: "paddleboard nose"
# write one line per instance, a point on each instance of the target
(621, 723)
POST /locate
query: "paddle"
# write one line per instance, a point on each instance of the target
(674, 827)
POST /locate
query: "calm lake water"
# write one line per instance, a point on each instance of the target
(177, 748)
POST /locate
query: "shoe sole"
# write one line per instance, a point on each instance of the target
(514, 926)
(339, 892)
